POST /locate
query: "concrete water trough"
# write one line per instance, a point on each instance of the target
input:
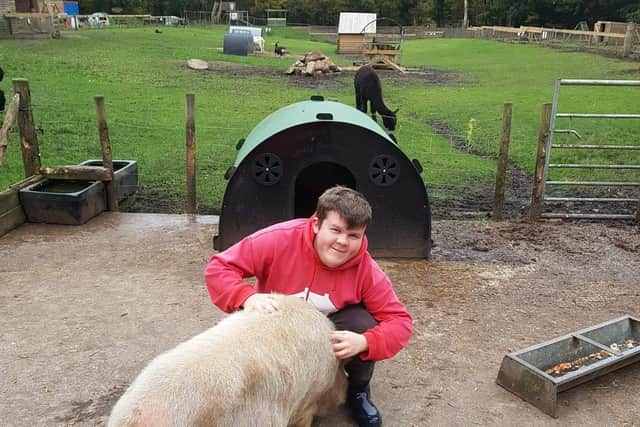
(63, 201)
(538, 373)
(125, 175)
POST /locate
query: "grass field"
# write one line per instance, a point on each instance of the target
(144, 79)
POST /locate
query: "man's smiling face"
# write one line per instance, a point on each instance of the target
(335, 242)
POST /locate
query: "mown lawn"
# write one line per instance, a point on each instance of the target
(144, 79)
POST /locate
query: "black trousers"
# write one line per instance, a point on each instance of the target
(355, 318)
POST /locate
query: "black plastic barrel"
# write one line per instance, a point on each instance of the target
(238, 43)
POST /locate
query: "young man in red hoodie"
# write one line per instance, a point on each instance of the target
(324, 260)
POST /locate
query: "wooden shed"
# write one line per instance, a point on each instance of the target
(355, 31)
(609, 27)
(30, 18)
(6, 6)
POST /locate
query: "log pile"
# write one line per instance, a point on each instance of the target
(313, 63)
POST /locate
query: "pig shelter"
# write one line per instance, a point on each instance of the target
(299, 151)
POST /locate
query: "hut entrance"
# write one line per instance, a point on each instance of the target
(313, 180)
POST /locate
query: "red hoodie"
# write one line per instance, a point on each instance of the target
(283, 260)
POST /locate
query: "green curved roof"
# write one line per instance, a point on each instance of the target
(302, 113)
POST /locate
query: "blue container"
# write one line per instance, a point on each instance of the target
(71, 8)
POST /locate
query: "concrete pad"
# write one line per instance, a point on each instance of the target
(84, 308)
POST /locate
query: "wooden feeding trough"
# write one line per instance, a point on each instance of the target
(538, 373)
(383, 56)
(385, 49)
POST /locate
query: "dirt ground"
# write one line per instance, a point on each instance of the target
(83, 309)
(343, 79)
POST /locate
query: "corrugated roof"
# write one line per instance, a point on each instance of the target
(354, 23)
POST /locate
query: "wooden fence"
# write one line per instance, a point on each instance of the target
(629, 41)
(19, 112)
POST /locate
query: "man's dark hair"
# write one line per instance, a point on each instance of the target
(346, 202)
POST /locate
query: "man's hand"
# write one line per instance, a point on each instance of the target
(263, 303)
(347, 344)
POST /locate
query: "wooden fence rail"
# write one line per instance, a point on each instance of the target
(626, 40)
(503, 160)
(535, 208)
(28, 136)
(10, 118)
(190, 131)
(107, 159)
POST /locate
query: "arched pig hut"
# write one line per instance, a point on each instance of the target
(297, 152)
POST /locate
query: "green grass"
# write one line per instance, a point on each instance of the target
(144, 80)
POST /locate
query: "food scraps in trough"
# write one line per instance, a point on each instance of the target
(565, 367)
(562, 368)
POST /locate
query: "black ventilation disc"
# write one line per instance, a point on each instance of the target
(267, 168)
(384, 170)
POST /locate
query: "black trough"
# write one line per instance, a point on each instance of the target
(71, 202)
(125, 175)
(297, 152)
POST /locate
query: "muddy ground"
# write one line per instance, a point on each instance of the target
(343, 79)
(83, 309)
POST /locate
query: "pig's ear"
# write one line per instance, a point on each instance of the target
(397, 109)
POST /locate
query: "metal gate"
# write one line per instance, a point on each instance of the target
(631, 186)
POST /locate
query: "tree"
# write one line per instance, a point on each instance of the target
(465, 20)
(422, 13)
(262, 5)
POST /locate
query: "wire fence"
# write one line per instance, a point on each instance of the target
(459, 171)
(462, 193)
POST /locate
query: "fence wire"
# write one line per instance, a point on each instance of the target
(455, 190)
(458, 168)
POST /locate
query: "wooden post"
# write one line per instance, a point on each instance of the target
(628, 39)
(191, 153)
(28, 138)
(107, 160)
(535, 209)
(503, 158)
(77, 172)
(10, 115)
(51, 24)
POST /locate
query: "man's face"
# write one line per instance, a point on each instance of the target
(335, 243)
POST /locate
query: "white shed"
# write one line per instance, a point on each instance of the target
(355, 30)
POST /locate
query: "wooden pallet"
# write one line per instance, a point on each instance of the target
(383, 59)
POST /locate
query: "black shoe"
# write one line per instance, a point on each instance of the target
(362, 409)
